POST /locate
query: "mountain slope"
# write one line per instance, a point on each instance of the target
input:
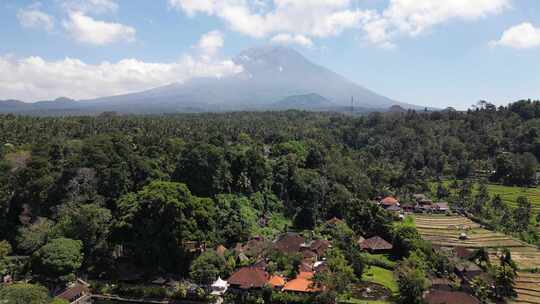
(270, 75)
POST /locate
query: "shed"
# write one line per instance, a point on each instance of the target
(449, 297)
(376, 244)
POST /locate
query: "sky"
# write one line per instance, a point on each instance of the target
(427, 52)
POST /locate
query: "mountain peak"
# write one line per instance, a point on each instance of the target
(270, 54)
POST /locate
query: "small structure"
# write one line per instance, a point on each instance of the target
(441, 207)
(388, 201)
(79, 293)
(467, 270)
(6, 280)
(463, 253)
(219, 287)
(302, 284)
(463, 236)
(376, 244)
(407, 207)
(449, 297)
(394, 209)
(247, 278)
(289, 243)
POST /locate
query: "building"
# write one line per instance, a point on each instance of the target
(276, 281)
(303, 283)
(449, 297)
(388, 202)
(247, 278)
(77, 293)
(289, 243)
(219, 287)
(376, 244)
(441, 207)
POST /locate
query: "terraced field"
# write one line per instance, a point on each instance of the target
(509, 194)
(445, 231)
(528, 288)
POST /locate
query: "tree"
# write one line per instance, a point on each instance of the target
(31, 238)
(480, 289)
(23, 293)
(204, 169)
(412, 282)
(338, 276)
(59, 258)
(160, 221)
(505, 275)
(89, 223)
(522, 214)
(207, 267)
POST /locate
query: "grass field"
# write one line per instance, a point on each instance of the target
(381, 276)
(445, 230)
(509, 194)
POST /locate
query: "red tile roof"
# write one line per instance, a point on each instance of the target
(389, 201)
(302, 283)
(376, 243)
(276, 281)
(449, 297)
(249, 277)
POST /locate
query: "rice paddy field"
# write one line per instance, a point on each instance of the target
(445, 231)
(510, 194)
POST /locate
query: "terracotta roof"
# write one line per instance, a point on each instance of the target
(276, 281)
(389, 201)
(74, 292)
(289, 243)
(376, 243)
(449, 297)
(249, 277)
(302, 283)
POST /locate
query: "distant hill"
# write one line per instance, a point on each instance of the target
(308, 101)
(272, 77)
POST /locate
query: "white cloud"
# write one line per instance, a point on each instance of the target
(88, 30)
(293, 39)
(90, 6)
(210, 43)
(316, 18)
(324, 18)
(522, 36)
(34, 18)
(34, 78)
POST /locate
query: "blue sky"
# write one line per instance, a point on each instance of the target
(428, 52)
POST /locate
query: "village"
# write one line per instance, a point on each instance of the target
(260, 267)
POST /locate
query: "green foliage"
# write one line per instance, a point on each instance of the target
(58, 301)
(339, 275)
(207, 267)
(58, 259)
(22, 293)
(412, 282)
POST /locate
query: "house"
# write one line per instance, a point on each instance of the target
(315, 249)
(394, 209)
(303, 283)
(449, 297)
(219, 287)
(289, 243)
(441, 207)
(79, 293)
(419, 197)
(276, 281)
(334, 221)
(388, 202)
(376, 244)
(247, 278)
(467, 270)
(441, 284)
(408, 207)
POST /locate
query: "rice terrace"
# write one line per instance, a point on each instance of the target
(449, 231)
